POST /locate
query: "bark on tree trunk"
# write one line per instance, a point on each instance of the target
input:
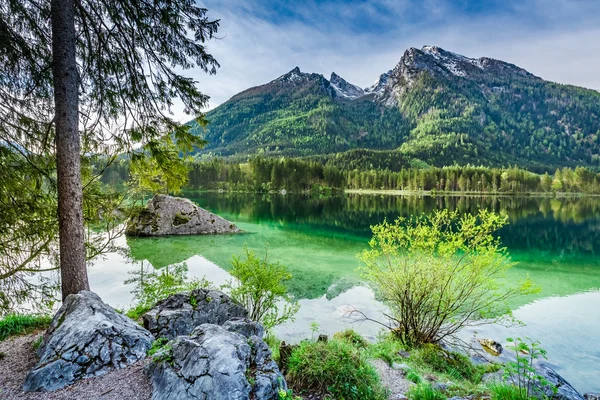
(70, 192)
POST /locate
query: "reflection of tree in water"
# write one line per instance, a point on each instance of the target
(547, 224)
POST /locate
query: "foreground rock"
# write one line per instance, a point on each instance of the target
(181, 313)
(86, 338)
(218, 364)
(167, 215)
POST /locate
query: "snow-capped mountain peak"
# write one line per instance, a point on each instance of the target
(345, 89)
(379, 85)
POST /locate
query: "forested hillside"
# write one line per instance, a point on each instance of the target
(434, 108)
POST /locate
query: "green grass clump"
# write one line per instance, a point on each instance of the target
(387, 349)
(335, 368)
(273, 342)
(157, 345)
(350, 336)
(502, 391)
(424, 392)
(457, 366)
(414, 377)
(17, 324)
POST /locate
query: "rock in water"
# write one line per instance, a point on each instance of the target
(167, 215)
(217, 364)
(491, 346)
(181, 313)
(86, 338)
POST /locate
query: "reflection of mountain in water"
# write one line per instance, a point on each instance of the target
(567, 225)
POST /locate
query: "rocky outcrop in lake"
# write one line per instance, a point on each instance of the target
(86, 338)
(181, 313)
(166, 215)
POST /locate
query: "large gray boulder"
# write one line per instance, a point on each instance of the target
(167, 215)
(86, 338)
(181, 313)
(217, 364)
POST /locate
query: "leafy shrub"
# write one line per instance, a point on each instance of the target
(350, 336)
(521, 372)
(440, 273)
(17, 324)
(260, 286)
(335, 368)
(158, 285)
(424, 391)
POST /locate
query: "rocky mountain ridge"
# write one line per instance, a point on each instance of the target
(435, 107)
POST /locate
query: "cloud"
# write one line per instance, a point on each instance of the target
(261, 40)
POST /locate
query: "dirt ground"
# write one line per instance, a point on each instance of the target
(19, 357)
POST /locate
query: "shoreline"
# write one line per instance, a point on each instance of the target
(432, 193)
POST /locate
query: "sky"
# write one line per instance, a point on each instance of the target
(259, 40)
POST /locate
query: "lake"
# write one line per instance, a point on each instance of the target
(554, 241)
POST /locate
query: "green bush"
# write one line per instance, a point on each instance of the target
(350, 336)
(260, 286)
(17, 324)
(424, 391)
(440, 272)
(334, 368)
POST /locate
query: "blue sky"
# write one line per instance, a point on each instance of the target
(558, 40)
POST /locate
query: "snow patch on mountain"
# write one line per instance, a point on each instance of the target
(345, 89)
(378, 86)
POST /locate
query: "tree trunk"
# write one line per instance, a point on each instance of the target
(70, 192)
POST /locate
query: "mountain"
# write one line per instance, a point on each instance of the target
(434, 107)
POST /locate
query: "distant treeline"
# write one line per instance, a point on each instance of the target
(297, 175)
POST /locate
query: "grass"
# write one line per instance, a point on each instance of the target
(273, 342)
(424, 391)
(335, 368)
(433, 360)
(501, 391)
(18, 324)
(350, 336)
(137, 312)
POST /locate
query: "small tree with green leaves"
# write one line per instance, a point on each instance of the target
(521, 372)
(260, 286)
(439, 273)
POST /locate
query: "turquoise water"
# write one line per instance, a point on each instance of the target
(554, 241)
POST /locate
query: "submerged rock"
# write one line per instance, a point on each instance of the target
(86, 338)
(218, 364)
(167, 215)
(491, 346)
(181, 313)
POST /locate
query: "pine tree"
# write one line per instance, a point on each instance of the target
(109, 69)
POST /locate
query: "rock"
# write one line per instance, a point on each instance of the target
(167, 215)
(181, 313)
(591, 396)
(86, 338)
(442, 387)
(564, 390)
(399, 396)
(491, 346)
(403, 354)
(217, 364)
(401, 367)
(245, 327)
